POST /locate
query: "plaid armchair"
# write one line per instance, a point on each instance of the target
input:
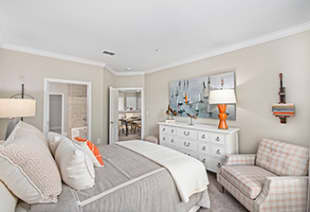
(274, 179)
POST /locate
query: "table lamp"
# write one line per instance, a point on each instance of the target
(221, 98)
(16, 108)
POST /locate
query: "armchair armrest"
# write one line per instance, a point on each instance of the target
(283, 194)
(240, 159)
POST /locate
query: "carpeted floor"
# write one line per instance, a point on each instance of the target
(221, 202)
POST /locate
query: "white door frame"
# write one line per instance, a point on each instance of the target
(46, 102)
(62, 108)
(142, 107)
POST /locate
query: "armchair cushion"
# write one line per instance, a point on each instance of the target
(240, 159)
(282, 159)
(248, 179)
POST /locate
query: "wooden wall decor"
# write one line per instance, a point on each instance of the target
(282, 110)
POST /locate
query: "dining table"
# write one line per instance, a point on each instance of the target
(127, 122)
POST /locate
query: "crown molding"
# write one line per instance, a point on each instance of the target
(134, 73)
(50, 54)
(252, 42)
(127, 73)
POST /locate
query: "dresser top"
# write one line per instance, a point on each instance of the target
(203, 127)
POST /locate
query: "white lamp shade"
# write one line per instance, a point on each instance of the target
(224, 96)
(13, 108)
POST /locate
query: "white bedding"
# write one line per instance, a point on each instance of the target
(188, 173)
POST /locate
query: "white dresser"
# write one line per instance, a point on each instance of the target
(204, 142)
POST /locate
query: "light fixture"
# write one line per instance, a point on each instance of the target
(222, 98)
(16, 108)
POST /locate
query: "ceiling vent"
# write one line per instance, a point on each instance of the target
(108, 53)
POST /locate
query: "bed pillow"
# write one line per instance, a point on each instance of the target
(76, 168)
(91, 150)
(54, 140)
(27, 166)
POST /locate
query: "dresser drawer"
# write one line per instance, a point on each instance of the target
(164, 139)
(188, 134)
(213, 164)
(167, 130)
(217, 138)
(203, 136)
(203, 148)
(217, 151)
(210, 163)
(163, 129)
(188, 144)
(172, 141)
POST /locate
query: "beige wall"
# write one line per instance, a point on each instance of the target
(14, 65)
(257, 70)
(130, 81)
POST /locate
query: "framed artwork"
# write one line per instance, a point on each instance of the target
(192, 96)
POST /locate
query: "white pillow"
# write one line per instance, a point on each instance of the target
(77, 169)
(54, 140)
(86, 149)
(27, 166)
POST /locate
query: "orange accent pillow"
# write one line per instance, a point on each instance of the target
(95, 151)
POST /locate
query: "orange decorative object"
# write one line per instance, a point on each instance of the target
(222, 116)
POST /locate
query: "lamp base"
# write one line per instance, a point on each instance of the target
(222, 116)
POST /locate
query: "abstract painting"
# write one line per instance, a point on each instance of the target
(192, 96)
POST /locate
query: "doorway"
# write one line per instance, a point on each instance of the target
(126, 114)
(74, 112)
(56, 112)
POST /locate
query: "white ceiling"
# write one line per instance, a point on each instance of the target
(181, 30)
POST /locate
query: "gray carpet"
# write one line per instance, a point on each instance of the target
(221, 202)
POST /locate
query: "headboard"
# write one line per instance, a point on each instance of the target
(7, 200)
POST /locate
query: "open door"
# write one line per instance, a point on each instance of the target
(113, 121)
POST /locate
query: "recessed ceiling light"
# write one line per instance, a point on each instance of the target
(108, 53)
(129, 69)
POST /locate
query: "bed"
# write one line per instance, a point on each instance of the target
(129, 182)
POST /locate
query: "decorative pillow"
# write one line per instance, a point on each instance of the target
(27, 166)
(91, 150)
(77, 169)
(54, 139)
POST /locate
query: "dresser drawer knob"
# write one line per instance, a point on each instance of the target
(164, 129)
(172, 141)
(219, 165)
(186, 133)
(164, 138)
(204, 160)
(203, 136)
(204, 148)
(172, 131)
(217, 139)
(187, 144)
(218, 152)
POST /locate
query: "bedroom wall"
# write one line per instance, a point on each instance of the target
(257, 70)
(15, 65)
